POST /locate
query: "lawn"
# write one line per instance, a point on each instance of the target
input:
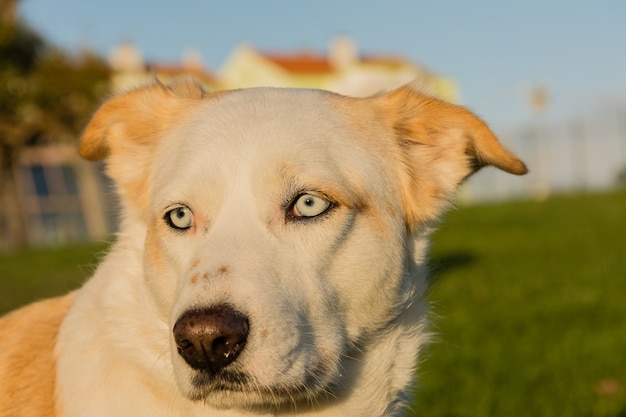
(37, 273)
(529, 307)
(529, 301)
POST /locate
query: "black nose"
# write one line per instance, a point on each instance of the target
(211, 339)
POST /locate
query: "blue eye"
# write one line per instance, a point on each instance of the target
(309, 205)
(180, 218)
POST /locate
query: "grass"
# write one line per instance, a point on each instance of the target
(39, 273)
(531, 299)
(529, 304)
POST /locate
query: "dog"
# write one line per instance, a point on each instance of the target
(271, 258)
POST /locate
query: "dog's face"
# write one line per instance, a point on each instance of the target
(278, 225)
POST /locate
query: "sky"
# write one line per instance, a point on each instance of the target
(497, 51)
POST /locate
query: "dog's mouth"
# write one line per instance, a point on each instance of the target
(205, 383)
(228, 389)
(212, 339)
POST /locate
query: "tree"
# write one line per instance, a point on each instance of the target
(46, 95)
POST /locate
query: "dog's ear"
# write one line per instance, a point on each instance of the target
(126, 129)
(440, 145)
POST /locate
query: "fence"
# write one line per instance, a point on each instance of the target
(588, 154)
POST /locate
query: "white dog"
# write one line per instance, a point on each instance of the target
(270, 259)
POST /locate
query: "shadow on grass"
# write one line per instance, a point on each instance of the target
(442, 264)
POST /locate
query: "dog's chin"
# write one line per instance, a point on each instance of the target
(239, 390)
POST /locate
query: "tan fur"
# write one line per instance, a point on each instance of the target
(27, 373)
(439, 145)
(442, 144)
(126, 124)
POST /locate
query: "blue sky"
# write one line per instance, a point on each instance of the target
(497, 51)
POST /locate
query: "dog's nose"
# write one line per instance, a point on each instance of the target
(211, 339)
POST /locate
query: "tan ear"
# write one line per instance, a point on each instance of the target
(126, 129)
(440, 145)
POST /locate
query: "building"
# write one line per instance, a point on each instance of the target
(342, 69)
(60, 198)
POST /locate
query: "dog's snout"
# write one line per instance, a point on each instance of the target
(211, 339)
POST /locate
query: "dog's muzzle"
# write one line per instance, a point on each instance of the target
(210, 339)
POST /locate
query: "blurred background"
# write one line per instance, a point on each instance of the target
(533, 321)
(547, 76)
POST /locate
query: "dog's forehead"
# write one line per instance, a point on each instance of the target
(261, 134)
(263, 122)
(278, 108)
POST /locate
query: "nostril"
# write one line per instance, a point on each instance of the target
(211, 339)
(185, 347)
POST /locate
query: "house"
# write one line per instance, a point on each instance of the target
(342, 69)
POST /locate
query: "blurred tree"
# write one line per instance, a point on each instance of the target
(45, 96)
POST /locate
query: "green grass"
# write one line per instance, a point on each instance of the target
(33, 274)
(529, 303)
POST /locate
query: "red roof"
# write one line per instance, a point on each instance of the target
(308, 62)
(302, 62)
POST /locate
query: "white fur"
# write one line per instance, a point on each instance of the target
(343, 291)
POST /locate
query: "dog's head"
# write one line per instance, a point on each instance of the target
(278, 225)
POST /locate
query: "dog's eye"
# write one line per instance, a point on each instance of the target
(309, 205)
(179, 218)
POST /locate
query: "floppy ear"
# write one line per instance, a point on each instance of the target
(126, 130)
(440, 145)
